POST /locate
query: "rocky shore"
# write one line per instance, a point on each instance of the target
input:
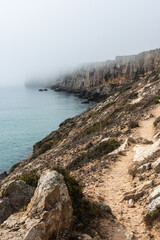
(98, 175)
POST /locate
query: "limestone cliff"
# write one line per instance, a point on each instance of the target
(101, 79)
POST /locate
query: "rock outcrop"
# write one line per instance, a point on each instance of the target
(98, 80)
(15, 195)
(49, 212)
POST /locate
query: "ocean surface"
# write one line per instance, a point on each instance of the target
(27, 116)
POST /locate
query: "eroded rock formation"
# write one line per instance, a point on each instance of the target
(97, 80)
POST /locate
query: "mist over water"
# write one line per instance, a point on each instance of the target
(42, 38)
(27, 116)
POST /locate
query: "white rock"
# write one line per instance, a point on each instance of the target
(122, 148)
(148, 116)
(153, 206)
(144, 152)
(49, 211)
(157, 135)
(144, 167)
(154, 194)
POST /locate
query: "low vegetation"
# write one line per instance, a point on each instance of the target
(83, 209)
(133, 124)
(97, 127)
(151, 217)
(96, 152)
(31, 178)
(155, 123)
(157, 99)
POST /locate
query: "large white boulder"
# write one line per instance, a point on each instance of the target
(49, 212)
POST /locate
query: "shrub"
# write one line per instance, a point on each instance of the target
(156, 121)
(84, 210)
(150, 217)
(157, 99)
(97, 127)
(31, 178)
(133, 124)
(97, 152)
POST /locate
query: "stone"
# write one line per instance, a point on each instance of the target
(121, 149)
(139, 139)
(86, 237)
(154, 194)
(15, 195)
(129, 235)
(49, 211)
(142, 153)
(154, 205)
(131, 203)
(137, 192)
(144, 167)
(148, 116)
(156, 165)
(157, 135)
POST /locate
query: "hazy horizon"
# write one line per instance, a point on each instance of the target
(40, 39)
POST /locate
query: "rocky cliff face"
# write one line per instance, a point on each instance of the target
(98, 80)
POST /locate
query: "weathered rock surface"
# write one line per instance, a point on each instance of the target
(49, 212)
(15, 195)
(142, 153)
(137, 192)
(101, 79)
(154, 194)
(153, 206)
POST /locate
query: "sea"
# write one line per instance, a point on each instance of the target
(28, 115)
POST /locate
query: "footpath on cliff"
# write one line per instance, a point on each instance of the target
(117, 182)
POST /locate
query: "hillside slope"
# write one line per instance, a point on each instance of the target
(112, 149)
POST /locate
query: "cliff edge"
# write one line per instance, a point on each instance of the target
(99, 80)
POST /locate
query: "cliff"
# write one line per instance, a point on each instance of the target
(110, 159)
(99, 80)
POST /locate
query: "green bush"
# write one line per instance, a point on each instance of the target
(31, 178)
(97, 127)
(156, 100)
(150, 217)
(96, 152)
(84, 210)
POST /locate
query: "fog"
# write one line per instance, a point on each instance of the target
(40, 38)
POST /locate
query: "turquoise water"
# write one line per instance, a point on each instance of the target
(27, 116)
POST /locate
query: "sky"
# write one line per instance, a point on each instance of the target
(41, 38)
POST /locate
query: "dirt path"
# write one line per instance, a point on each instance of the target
(118, 182)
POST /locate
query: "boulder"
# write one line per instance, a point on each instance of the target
(153, 206)
(142, 153)
(15, 195)
(144, 167)
(121, 149)
(49, 212)
(154, 194)
(148, 116)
